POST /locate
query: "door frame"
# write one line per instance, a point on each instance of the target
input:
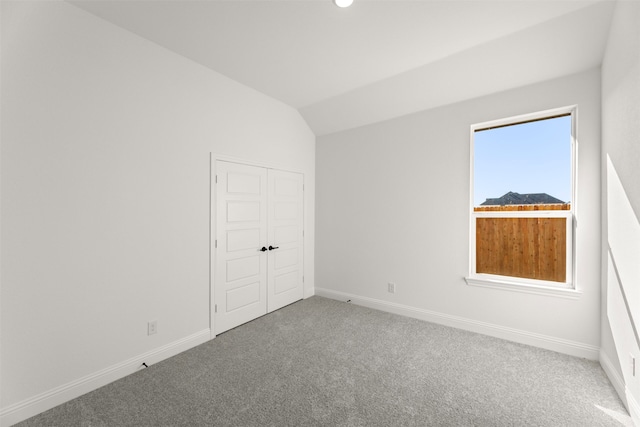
(213, 159)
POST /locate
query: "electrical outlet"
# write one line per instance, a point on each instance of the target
(391, 287)
(152, 327)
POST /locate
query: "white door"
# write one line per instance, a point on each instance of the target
(240, 279)
(259, 242)
(285, 221)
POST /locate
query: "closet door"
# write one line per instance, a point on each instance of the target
(285, 236)
(258, 244)
(240, 277)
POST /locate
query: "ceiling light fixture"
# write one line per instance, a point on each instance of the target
(343, 3)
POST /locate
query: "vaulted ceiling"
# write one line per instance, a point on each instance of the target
(344, 68)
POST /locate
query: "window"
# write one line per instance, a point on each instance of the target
(522, 201)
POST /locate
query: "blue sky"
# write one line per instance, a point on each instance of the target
(527, 158)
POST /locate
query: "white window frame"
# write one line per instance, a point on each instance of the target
(565, 289)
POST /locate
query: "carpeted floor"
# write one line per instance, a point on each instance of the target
(321, 362)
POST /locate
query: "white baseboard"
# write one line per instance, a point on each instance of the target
(560, 345)
(634, 408)
(308, 293)
(614, 377)
(54, 397)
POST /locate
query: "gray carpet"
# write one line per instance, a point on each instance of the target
(321, 362)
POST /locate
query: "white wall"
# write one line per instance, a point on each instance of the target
(621, 199)
(393, 206)
(105, 197)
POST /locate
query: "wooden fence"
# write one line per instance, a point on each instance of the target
(527, 247)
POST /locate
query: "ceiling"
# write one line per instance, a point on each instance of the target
(344, 68)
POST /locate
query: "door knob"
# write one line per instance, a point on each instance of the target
(263, 249)
(273, 247)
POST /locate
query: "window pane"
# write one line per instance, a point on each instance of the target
(531, 248)
(528, 163)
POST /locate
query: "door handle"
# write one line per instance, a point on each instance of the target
(263, 249)
(273, 247)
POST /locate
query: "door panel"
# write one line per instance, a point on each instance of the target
(238, 240)
(240, 277)
(243, 267)
(285, 258)
(285, 273)
(285, 282)
(243, 211)
(243, 296)
(285, 210)
(287, 186)
(285, 234)
(243, 183)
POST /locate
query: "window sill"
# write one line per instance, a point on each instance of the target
(529, 288)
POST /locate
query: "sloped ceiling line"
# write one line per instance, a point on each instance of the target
(344, 68)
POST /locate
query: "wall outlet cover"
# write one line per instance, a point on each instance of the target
(152, 327)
